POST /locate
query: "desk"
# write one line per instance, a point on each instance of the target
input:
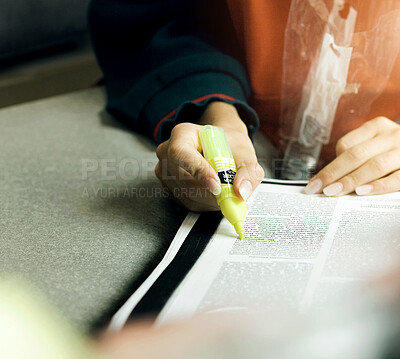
(81, 212)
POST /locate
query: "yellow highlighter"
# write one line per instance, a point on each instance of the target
(218, 154)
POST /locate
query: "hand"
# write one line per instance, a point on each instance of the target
(189, 177)
(367, 162)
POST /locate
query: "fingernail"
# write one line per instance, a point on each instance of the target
(214, 186)
(313, 186)
(363, 190)
(333, 189)
(245, 190)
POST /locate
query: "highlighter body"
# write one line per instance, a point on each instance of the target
(218, 154)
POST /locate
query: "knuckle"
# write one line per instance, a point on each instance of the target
(160, 150)
(175, 151)
(384, 186)
(252, 169)
(397, 178)
(327, 175)
(193, 167)
(208, 171)
(181, 127)
(196, 172)
(259, 173)
(380, 121)
(341, 146)
(349, 182)
(380, 164)
(240, 166)
(199, 171)
(158, 171)
(356, 154)
(396, 135)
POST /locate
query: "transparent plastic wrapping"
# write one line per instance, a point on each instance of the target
(337, 60)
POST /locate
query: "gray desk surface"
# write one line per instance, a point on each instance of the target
(82, 240)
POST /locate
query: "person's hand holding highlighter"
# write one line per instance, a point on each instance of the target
(187, 175)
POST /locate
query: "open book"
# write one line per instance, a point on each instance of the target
(302, 251)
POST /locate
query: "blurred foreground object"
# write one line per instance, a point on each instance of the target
(364, 324)
(30, 328)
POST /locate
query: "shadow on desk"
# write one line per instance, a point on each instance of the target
(127, 211)
(131, 204)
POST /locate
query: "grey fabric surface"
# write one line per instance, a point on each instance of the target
(81, 240)
(27, 25)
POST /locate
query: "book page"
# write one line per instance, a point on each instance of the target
(303, 251)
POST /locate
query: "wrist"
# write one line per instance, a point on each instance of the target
(222, 114)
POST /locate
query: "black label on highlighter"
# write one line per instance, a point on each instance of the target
(227, 177)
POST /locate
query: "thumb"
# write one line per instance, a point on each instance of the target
(249, 173)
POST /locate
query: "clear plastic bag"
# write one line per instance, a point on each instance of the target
(337, 60)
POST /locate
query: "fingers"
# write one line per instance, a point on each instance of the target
(347, 163)
(372, 170)
(370, 154)
(190, 178)
(187, 191)
(364, 133)
(249, 174)
(182, 151)
(387, 184)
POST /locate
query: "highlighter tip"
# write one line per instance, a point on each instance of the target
(239, 228)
